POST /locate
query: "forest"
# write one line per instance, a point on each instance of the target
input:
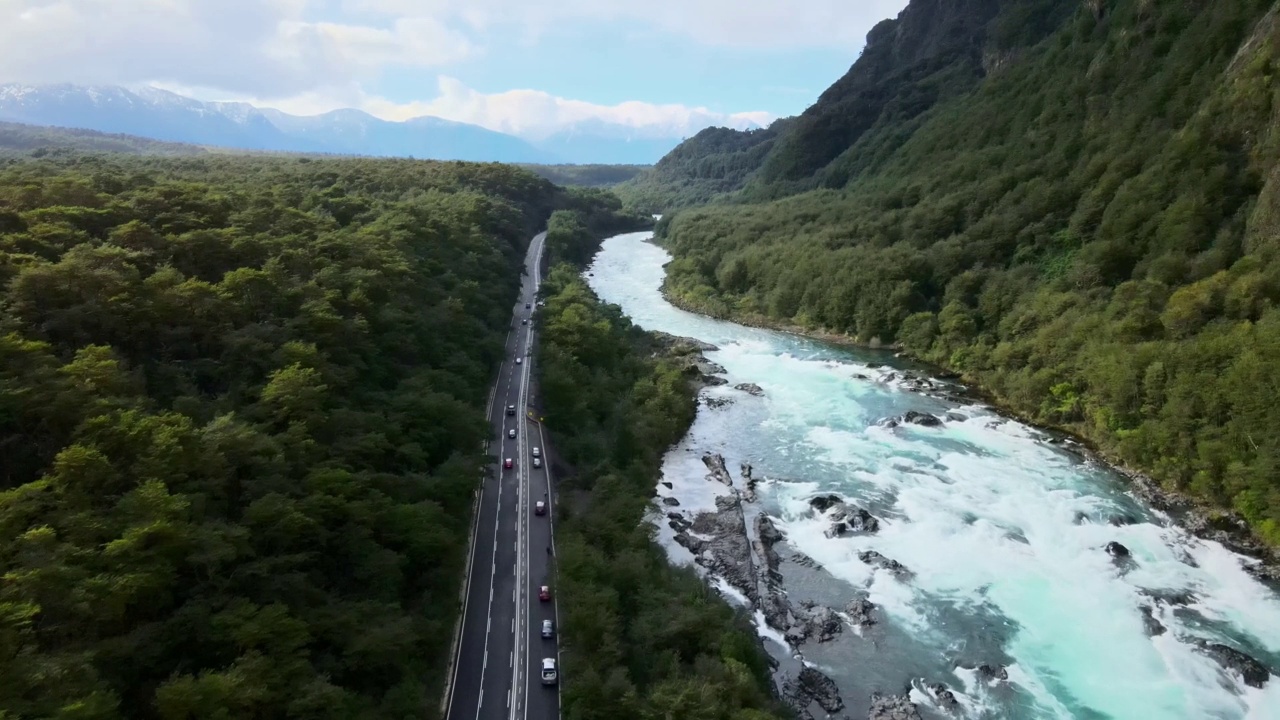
(241, 421)
(640, 638)
(1074, 205)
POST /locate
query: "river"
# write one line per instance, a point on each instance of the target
(1002, 529)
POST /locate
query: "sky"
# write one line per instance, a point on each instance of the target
(529, 67)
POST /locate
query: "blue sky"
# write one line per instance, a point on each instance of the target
(664, 67)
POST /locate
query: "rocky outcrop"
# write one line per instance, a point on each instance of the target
(1226, 528)
(993, 673)
(811, 686)
(892, 707)
(813, 622)
(715, 403)
(1254, 673)
(671, 502)
(860, 612)
(750, 389)
(678, 345)
(749, 482)
(728, 552)
(871, 557)
(845, 519)
(915, 418)
(718, 472)
(1150, 624)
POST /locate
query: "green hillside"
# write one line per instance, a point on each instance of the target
(241, 418)
(1073, 204)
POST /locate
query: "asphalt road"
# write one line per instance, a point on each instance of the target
(497, 667)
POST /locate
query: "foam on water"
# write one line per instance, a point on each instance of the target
(1003, 532)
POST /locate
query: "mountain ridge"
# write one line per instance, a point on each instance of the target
(166, 116)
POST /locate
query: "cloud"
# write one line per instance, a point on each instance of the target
(531, 114)
(263, 47)
(736, 23)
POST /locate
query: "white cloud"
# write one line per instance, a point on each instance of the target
(268, 47)
(739, 23)
(532, 114)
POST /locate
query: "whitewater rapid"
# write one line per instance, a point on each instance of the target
(1003, 530)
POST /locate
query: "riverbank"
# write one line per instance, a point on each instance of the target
(1200, 519)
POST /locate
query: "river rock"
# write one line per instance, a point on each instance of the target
(679, 345)
(1152, 626)
(803, 560)
(892, 707)
(728, 552)
(845, 519)
(667, 485)
(823, 503)
(1116, 550)
(944, 697)
(1179, 598)
(670, 502)
(993, 673)
(719, 473)
(749, 482)
(814, 621)
(716, 403)
(1254, 673)
(871, 557)
(695, 545)
(920, 418)
(750, 389)
(812, 686)
(676, 519)
(860, 376)
(1121, 520)
(860, 612)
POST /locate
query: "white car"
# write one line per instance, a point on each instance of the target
(519, 360)
(549, 675)
(537, 462)
(548, 629)
(537, 452)
(511, 433)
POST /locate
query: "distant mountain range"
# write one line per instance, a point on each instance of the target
(162, 115)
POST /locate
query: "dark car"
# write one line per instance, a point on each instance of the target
(544, 593)
(527, 306)
(511, 409)
(540, 508)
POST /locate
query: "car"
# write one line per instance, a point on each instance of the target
(540, 508)
(527, 306)
(549, 675)
(511, 409)
(524, 321)
(511, 433)
(548, 628)
(537, 452)
(544, 593)
(507, 463)
(537, 462)
(519, 360)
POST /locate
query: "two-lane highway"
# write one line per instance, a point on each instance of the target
(496, 672)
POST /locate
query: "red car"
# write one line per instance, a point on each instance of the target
(507, 463)
(544, 593)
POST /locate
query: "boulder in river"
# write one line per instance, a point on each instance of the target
(892, 707)
(1116, 550)
(845, 519)
(944, 697)
(671, 502)
(993, 673)
(750, 389)
(812, 686)
(813, 622)
(718, 472)
(1254, 673)
(860, 612)
(871, 557)
(920, 418)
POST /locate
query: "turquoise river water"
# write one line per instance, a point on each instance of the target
(986, 513)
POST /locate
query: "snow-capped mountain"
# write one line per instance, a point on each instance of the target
(163, 115)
